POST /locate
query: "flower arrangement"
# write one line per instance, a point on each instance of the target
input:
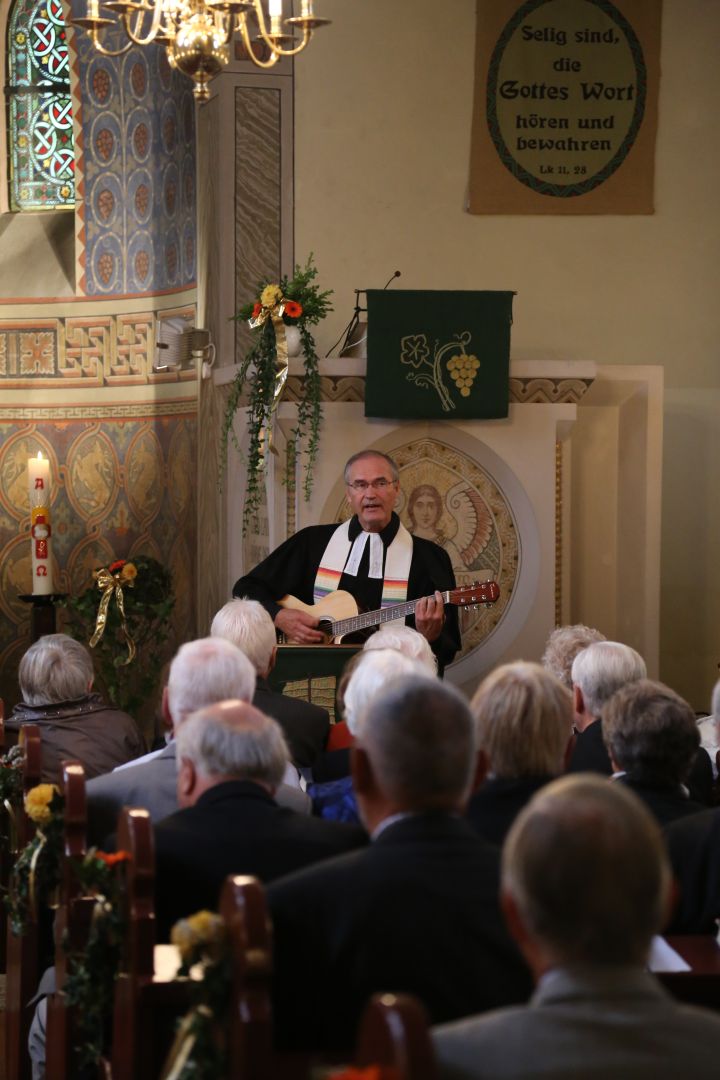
(137, 623)
(90, 980)
(262, 374)
(36, 873)
(11, 777)
(198, 1052)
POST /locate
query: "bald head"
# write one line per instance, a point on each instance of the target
(586, 869)
(230, 740)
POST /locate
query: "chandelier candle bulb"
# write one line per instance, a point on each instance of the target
(40, 527)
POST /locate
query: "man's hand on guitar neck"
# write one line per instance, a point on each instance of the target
(430, 616)
(299, 627)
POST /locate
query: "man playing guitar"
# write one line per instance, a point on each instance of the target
(372, 556)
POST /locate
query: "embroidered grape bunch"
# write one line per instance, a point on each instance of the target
(463, 370)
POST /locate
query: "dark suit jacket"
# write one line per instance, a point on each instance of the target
(417, 911)
(306, 726)
(590, 755)
(498, 801)
(235, 828)
(666, 804)
(694, 846)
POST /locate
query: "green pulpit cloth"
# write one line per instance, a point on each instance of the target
(438, 355)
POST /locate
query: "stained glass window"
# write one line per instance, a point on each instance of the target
(40, 136)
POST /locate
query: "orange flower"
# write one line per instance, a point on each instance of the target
(112, 859)
(256, 311)
(292, 309)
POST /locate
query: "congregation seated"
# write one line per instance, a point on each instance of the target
(585, 885)
(524, 725)
(247, 625)
(415, 912)
(56, 678)
(202, 672)
(231, 758)
(563, 645)
(652, 739)
(372, 674)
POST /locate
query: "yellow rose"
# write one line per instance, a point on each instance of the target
(270, 296)
(202, 930)
(37, 803)
(128, 572)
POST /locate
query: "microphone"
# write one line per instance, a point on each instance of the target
(391, 278)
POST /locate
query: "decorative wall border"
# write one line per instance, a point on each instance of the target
(523, 391)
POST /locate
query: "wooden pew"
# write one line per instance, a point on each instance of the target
(394, 1032)
(146, 1007)
(22, 952)
(72, 921)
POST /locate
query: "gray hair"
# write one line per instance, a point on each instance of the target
(375, 672)
(405, 640)
(603, 668)
(234, 739)
(247, 624)
(420, 739)
(204, 672)
(394, 471)
(55, 668)
(524, 719)
(563, 645)
(651, 733)
(587, 868)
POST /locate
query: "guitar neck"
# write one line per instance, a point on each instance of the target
(376, 618)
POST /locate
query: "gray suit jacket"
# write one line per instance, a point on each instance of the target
(589, 1024)
(151, 783)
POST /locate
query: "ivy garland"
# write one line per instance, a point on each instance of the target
(300, 303)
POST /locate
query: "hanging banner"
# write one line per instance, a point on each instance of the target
(438, 355)
(565, 114)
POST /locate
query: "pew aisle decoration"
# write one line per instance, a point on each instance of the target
(198, 1052)
(36, 873)
(125, 616)
(90, 981)
(262, 374)
(11, 789)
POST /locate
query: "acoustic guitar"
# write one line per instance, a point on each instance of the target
(339, 616)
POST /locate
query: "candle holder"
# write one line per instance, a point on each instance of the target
(42, 615)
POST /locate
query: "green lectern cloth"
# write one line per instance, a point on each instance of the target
(438, 355)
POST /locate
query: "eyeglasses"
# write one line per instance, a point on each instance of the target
(377, 485)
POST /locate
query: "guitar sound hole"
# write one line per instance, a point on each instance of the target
(326, 626)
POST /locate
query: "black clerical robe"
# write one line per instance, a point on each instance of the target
(292, 568)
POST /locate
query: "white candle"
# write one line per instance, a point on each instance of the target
(40, 525)
(275, 7)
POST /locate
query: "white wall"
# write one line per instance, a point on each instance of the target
(383, 112)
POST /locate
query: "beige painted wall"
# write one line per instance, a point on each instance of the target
(383, 110)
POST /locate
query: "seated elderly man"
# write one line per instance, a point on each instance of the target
(524, 722)
(247, 624)
(231, 759)
(202, 672)
(652, 738)
(416, 911)
(563, 645)
(585, 885)
(56, 677)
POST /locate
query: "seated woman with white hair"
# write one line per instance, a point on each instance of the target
(56, 677)
(524, 718)
(396, 636)
(374, 672)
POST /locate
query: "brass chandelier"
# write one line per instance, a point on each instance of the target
(197, 33)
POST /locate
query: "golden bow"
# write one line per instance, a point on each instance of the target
(113, 583)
